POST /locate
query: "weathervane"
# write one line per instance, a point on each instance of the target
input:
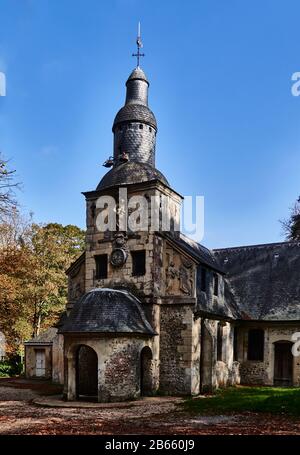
(139, 46)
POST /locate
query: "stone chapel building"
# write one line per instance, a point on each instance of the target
(153, 312)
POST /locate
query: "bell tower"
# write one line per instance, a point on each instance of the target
(130, 255)
(143, 258)
(134, 135)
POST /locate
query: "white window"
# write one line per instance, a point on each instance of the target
(40, 369)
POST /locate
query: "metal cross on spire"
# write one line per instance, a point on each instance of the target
(139, 46)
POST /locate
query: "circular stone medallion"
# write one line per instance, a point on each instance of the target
(118, 257)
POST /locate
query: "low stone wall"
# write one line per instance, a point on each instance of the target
(253, 372)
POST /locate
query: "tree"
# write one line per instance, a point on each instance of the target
(33, 283)
(291, 226)
(54, 248)
(7, 186)
(15, 264)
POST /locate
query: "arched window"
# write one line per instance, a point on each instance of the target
(256, 344)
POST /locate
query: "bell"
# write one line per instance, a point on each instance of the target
(109, 162)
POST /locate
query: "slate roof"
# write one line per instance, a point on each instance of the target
(263, 281)
(130, 173)
(196, 250)
(104, 310)
(137, 73)
(45, 337)
(135, 113)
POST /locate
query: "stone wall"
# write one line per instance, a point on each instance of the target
(179, 348)
(253, 373)
(119, 363)
(150, 284)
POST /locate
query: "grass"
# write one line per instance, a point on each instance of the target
(273, 400)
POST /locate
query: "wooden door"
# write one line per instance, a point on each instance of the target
(87, 373)
(283, 366)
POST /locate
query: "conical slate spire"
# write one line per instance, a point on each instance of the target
(135, 125)
(137, 88)
(134, 132)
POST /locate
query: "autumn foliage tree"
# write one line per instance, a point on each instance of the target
(33, 260)
(53, 248)
(15, 263)
(33, 284)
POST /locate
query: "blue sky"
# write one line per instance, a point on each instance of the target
(220, 74)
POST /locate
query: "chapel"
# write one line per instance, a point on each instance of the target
(151, 311)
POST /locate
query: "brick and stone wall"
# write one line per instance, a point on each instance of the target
(179, 348)
(253, 373)
(119, 366)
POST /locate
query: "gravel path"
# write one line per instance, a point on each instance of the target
(19, 415)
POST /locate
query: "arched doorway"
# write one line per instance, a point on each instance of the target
(283, 363)
(146, 371)
(86, 373)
